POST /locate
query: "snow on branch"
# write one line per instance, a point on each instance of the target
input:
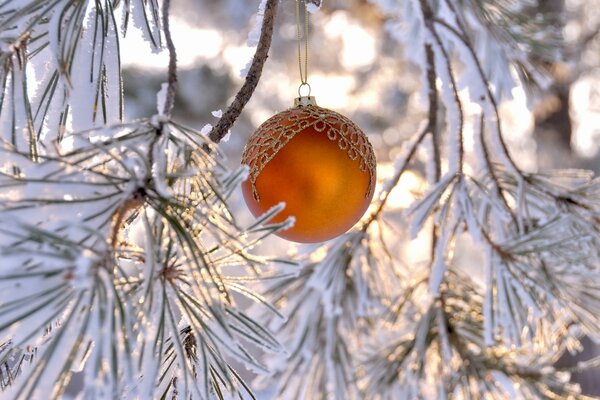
(444, 344)
(534, 239)
(119, 258)
(340, 288)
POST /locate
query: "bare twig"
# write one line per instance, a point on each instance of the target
(172, 71)
(219, 131)
(433, 109)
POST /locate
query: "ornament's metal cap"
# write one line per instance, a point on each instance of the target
(303, 101)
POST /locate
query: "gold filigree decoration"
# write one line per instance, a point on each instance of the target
(278, 130)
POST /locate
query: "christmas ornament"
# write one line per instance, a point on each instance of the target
(316, 161)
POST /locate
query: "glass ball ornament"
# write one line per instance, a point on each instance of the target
(316, 161)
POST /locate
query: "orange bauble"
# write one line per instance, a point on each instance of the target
(316, 161)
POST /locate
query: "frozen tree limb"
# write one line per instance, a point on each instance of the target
(219, 131)
(430, 128)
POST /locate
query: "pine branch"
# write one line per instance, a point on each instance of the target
(444, 344)
(170, 272)
(219, 131)
(121, 256)
(172, 69)
(431, 128)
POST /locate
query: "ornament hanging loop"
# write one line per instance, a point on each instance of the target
(302, 30)
(304, 90)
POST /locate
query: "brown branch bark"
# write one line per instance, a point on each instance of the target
(427, 15)
(219, 131)
(172, 71)
(433, 110)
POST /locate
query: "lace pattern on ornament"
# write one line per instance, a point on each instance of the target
(263, 147)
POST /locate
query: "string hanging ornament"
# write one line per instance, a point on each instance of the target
(315, 160)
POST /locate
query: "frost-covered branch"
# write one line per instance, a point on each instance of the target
(443, 344)
(122, 261)
(526, 298)
(154, 241)
(431, 128)
(341, 288)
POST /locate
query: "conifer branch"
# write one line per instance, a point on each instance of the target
(430, 128)
(220, 130)
(121, 257)
(172, 69)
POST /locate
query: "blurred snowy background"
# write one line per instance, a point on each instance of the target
(358, 68)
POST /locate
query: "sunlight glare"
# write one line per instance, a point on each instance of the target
(359, 46)
(585, 111)
(192, 44)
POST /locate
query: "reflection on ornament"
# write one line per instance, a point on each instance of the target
(316, 161)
